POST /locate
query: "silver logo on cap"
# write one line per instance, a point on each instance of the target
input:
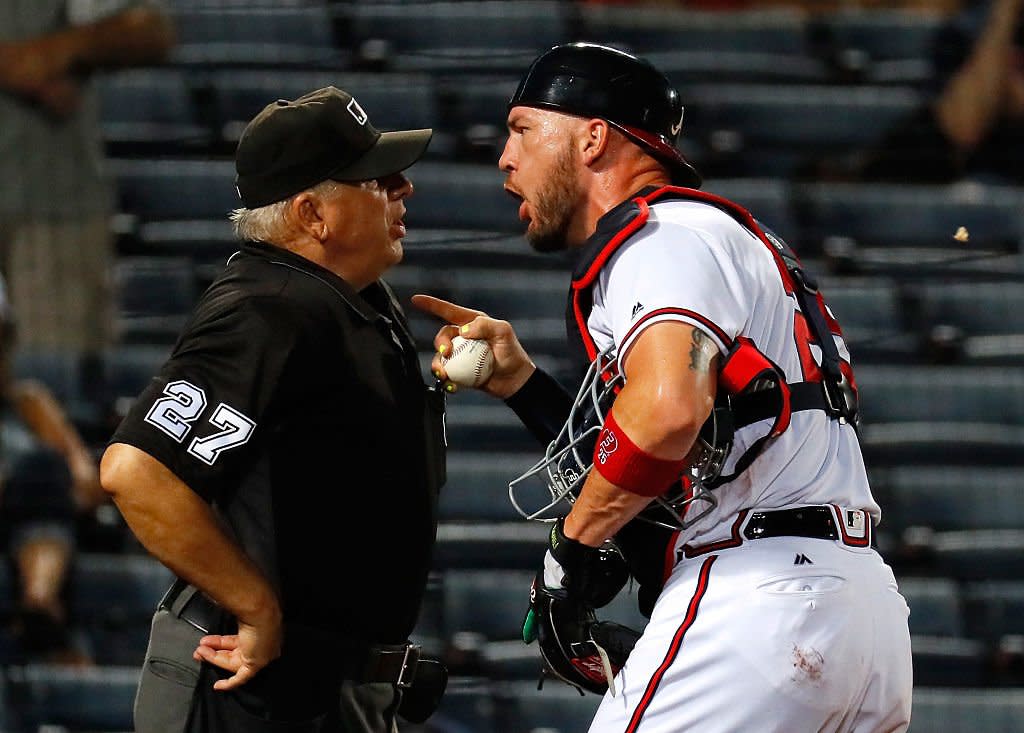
(356, 111)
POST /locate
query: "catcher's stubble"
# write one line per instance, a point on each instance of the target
(555, 203)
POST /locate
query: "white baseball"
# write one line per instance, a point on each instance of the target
(470, 362)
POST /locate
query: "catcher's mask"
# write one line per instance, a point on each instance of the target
(569, 457)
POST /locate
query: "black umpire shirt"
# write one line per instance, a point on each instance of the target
(296, 406)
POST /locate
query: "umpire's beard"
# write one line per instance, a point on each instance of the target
(555, 205)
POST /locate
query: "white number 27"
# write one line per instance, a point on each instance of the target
(182, 405)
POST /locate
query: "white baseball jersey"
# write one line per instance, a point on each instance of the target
(694, 263)
(781, 633)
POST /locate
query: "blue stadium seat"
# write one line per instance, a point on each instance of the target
(966, 710)
(248, 36)
(467, 707)
(487, 602)
(477, 486)
(948, 662)
(557, 708)
(951, 497)
(767, 130)
(114, 597)
(994, 608)
(768, 201)
(79, 699)
(489, 545)
(973, 555)
(971, 414)
(175, 189)
(650, 29)
(917, 215)
(456, 37)
(129, 370)
(984, 320)
(151, 110)
(935, 606)
(454, 196)
(154, 295)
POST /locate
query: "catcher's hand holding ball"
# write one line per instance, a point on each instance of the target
(505, 364)
(470, 362)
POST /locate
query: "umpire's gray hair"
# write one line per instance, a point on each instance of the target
(268, 223)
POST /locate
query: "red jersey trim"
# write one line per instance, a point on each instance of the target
(691, 551)
(674, 647)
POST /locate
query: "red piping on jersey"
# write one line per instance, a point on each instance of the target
(677, 642)
(702, 320)
(691, 551)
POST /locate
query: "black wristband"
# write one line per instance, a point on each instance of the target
(542, 404)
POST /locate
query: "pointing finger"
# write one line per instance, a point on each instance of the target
(445, 310)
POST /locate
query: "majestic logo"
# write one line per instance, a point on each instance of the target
(679, 125)
(356, 111)
(637, 308)
(608, 445)
(802, 559)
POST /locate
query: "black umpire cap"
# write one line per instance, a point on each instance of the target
(591, 80)
(292, 145)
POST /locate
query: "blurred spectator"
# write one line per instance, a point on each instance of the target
(974, 126)
(47, 474)
(55, 242)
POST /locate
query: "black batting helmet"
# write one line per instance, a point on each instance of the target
(591, 80)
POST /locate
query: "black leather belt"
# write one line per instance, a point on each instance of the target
(360, 661)
(191, 605)
(816, 522)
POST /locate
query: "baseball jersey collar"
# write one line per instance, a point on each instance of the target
(281, 256)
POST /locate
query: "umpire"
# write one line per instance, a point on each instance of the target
(285, 462)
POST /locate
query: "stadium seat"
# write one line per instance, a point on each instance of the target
(114, 597)
(489, 545)
(973, 555)
(994, 608)
(155, 295)
(951, 497)
(557, 708)
(477, 486)
(152, 111)
(175, 189)
(454, 196)
(646, 30)
(247, 36)
(966, 710)
(935, 606)
(491, 603)
(768, 201)
(948, 662)
(455, 37)
(768, 130)
(965, 414)
(980, 321)
(129, 370)
(79, 699)
(918, 215)
(880, 46)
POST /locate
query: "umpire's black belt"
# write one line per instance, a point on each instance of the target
(357, 660)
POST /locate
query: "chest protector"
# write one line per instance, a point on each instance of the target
(751, 388)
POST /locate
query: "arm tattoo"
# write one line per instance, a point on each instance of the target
(700, 354)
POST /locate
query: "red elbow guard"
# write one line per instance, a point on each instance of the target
(625, 464)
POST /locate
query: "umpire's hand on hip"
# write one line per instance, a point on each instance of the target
(512, 365)
(257, 644)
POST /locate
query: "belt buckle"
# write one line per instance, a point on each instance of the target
(407, 674)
